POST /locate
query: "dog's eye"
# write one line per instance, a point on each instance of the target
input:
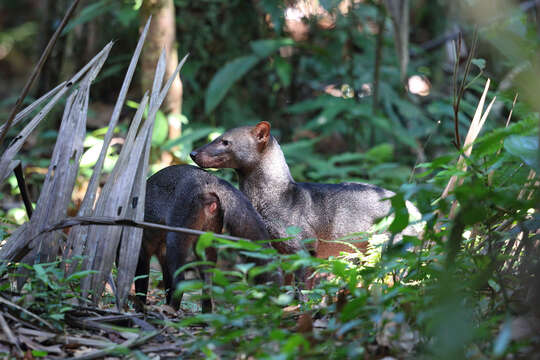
(225, 142)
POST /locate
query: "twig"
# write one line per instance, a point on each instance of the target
(65, 339)
(378, 59)
(95, 310)
(17, 307)
(12, 339)
(126, 344)
(22, 322)
(25, 194)
(104, 220)
(37, 69)
(459, 91)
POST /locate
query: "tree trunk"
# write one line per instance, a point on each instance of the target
(162, 34)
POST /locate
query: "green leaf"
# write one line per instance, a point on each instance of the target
(191, 265)
(294, 342)
(239, 244)
(283, 299)
(266, 47)
(41, 274)
(205, 241)
(39, 353)
(380, 153)
(80, 274)
(161, 129)
(189, 285)
(283, 71)
(244, 268)
(401, 215)
(524, 147)
(480, 63)
(189, 137)
(225, 78)
(90, 156)
(258, 255)
(493, 284)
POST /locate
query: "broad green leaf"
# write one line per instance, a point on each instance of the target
(189, 285)
(524, 147)
(266, 47)
(239, 244)
(380, 153)
(480, 63)
(189, 137)
(294, 342)
(283, 299)
(225, 78)
(41, 274)
(401, 215)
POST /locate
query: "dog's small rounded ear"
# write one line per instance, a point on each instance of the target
(261, 131)
(211, 203)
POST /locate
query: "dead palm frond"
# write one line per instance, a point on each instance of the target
(122, 195)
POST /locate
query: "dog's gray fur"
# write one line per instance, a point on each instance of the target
(322, 211)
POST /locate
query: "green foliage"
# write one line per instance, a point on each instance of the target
(48, 291)
(439, 296)
(449, 294)
(237, 68)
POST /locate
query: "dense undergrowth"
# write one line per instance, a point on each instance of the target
(453, 293)
(467, 288)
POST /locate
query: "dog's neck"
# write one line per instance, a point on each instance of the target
(270, 175)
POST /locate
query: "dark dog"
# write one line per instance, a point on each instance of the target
(187, 196)
(323, 211)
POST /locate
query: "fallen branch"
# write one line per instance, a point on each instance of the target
(126, 344)
(11, 338)
(104, 220)
(17, 307)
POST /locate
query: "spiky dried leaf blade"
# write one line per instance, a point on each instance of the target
(33, 106)
(115, 196)
(17, 143)
(77, 240)
(62, 173)
(58, 185)
(130, 244)
(132, 237)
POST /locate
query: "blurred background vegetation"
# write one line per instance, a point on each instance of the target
(327, 75)
(361, 90)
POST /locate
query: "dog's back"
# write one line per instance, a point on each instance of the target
(187, 196)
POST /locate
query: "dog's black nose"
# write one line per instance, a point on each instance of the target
(193, 154)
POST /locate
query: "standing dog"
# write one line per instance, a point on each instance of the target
(323, 211)
(187, 196)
